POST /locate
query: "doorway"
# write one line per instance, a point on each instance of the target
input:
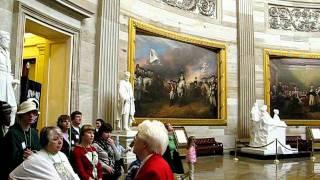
(46, 70)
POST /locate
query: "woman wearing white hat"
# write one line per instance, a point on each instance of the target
(21, 140)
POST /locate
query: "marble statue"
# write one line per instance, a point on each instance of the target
(126, 108)
(266, 129)
(255, 124)
(7, 83)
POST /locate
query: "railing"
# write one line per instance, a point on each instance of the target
(276, 141)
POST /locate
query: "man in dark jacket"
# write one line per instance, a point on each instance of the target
(76, 118)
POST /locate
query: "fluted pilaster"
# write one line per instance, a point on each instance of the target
(246, 64)
(107, 66)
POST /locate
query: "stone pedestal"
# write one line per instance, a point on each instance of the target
(274, 132)
(125, 138)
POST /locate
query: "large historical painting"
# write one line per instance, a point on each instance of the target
(294, 86)
(176, 79)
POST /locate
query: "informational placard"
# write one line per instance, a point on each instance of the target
(315, 133)
(316, 168)
(181, 136)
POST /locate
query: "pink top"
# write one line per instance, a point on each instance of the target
(191, 155)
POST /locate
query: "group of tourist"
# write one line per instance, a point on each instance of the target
(68, 151)
(63, 152)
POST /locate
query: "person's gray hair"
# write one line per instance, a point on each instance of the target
(47, 134)
(155, 135)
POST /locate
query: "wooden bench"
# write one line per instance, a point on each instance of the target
(208, 146)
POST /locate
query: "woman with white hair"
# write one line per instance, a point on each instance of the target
(49, 162)
(150, 143)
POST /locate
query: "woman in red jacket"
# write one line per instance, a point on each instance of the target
(150, 143)
(85, 156)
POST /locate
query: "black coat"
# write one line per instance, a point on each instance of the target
(175, 162)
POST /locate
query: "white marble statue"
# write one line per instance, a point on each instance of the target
(7, 83)
(276, 118)
(126, 108)
(255, 124)
(265, 130)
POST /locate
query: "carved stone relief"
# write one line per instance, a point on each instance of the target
(294, 18)
(203, 7)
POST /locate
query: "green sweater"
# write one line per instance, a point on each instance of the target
(172, 145)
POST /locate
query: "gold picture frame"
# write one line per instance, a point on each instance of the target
(278, 54)
(218, 47)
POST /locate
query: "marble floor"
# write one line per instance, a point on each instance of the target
(224, 167)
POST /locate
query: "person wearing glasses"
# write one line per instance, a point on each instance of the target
(49, 162)
(21, 141)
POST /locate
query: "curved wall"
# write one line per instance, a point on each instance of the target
(222, 28)
(266, 36)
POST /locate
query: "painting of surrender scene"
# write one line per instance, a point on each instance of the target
(174, 79)
(295, 87)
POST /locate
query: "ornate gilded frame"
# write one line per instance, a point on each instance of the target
(291, 54)
(135, 25)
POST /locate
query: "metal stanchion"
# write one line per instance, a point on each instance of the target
(235, 150)
(312, 151)
(276, 161)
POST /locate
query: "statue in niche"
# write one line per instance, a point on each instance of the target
(7, 83)
(126, 108)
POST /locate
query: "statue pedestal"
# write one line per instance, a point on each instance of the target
(125, 138)
(273, 132)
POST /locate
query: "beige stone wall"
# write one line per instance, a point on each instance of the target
(221, 29)
(266, 37)
(6, 15)
(87, 42)
(88, 59)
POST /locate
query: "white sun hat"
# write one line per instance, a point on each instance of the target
(27, 106)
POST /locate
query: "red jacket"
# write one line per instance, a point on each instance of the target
(156, 168)
(82, 165)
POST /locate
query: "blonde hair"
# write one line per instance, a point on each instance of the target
(155, 135)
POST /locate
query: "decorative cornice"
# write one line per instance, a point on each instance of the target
(78, 8)
(288, 18)
(203, 7)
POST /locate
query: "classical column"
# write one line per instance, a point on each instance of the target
(246, 64)
(107, 65)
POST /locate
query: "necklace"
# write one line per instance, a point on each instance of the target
(25, 138)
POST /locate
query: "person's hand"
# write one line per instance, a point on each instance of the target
(110, 170)
(90, 178)
(110, 141)
(26, 153)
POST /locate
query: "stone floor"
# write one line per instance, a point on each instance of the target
(224, 167)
